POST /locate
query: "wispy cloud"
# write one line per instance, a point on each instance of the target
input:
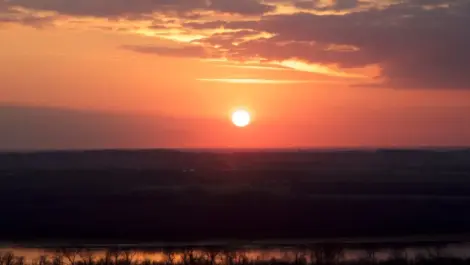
(256, 67)
(261, 81)
(317, 69)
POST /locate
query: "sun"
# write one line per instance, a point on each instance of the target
(241, 118)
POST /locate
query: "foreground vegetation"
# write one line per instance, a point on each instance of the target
(317, 255)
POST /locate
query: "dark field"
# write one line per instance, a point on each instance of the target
(163, 196)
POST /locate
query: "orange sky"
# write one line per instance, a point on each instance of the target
(110, 66)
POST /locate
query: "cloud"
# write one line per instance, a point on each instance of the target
(255, 67)
(206, 25)
(3, 5)
(246, 7)
(230, 39)
(336, 5)
(109, 8)
(318, 69)
(185, 51)
(258, 81)
(415, 43)
(415, 47)
(243, 24)
(123, 8)
(30, 20)
(9, 15)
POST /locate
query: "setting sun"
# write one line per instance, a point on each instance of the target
(241, 118)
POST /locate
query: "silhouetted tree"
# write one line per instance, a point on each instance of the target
(435, 251)
(399, 255)
(321, 254)
(325, 254)
(57, 259)
(371, 253)
(43, 260)
(211, 255)
(87, 256)
(188, 257)
(242, 258)
(107, 259)
(128, 256)
(170, 256)
(300, 257)
(229, 257)
(115, 254)
(19, 261)
(70, 254)
(7, 258)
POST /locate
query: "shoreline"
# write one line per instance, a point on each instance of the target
(350, 242)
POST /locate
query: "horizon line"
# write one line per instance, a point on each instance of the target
(240, 149)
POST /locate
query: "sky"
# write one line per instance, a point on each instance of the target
(168, 73)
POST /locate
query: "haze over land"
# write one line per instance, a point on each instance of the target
(38, 128)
